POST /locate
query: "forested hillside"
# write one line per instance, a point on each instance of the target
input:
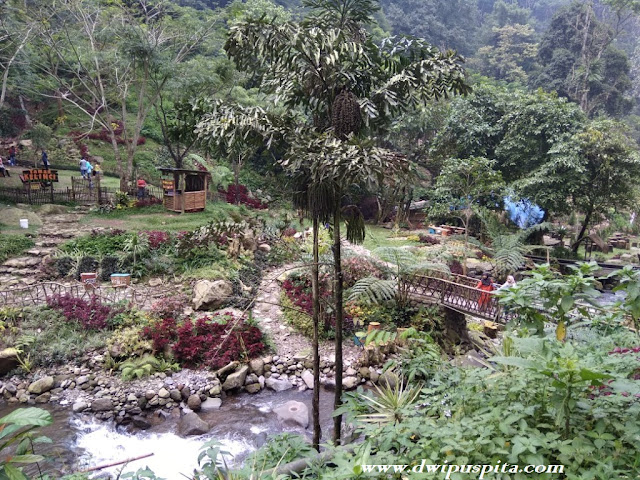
(129, 84)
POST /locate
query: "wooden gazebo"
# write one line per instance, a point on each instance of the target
(185, 190)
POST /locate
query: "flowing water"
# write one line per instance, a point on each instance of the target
(81, 442)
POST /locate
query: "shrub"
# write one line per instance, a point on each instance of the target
(162, 333)
(127, 342)
(217, 340)
(239, 194)
(86, 265)
(64, 266)
(456, 267)
(108, 266)
(91, 315)
(355, 268)
(96, 244)
(13, 245)
(172, 306)
(428, 239)
(158, 239)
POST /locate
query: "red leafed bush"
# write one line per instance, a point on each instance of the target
(215, 341)
(240, 194)
(157, 238)
(91, 315)
(162, 333)
(170, 307)
(355, 268)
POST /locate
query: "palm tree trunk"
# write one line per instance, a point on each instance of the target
(315, 293)
(338, 293)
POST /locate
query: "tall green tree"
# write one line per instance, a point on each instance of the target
(579, 60)
(111, 61)
(463, 187)
(341, 88)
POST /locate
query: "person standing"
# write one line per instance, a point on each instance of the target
(3, 169)
(142, 186)
(12, 155)
(89, 170)
(97, 171)
(486, 285)
(45, 159)
(83, 167)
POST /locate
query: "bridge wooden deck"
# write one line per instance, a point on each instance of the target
(456, 292)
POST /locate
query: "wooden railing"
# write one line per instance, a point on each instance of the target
(456, 292)
(37, 294)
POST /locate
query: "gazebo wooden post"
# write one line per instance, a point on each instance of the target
(176, 185)
(183, 178)
(206, 177)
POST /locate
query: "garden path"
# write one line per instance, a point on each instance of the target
(56, 228)
(287, 342)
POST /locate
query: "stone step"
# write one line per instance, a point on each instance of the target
(41, 252)
(48, 243)
(22, 262)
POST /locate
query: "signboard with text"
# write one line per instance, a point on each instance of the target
(167, 185)
(39, 175)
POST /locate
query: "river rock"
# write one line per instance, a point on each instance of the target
(388, 379)
(40, 386)
(141, 422)
(186, 392)
(102, 405)
(208, 295)
(163, 393)
(8, 360)
(364, 372)
(43, 398)
(257, 366)
(211, 404)
(252, 387)
(349, 383)
(215, 390)
(79, 406)
(175, 395)
(307, 377)
(278, 385)
(194, 402)
(293, 412)
(192, 424)
(236, 379)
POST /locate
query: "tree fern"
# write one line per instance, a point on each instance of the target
(372, 290)
(139, 367)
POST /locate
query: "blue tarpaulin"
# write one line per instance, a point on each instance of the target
(523, 213)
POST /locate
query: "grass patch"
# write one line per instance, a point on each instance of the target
(156, 217)
(377, 236)
(13, 246)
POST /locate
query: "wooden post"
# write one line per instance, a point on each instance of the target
(98, 190)
(73, 189)
(183, 178)
(52, 200)
(206, 177)
(28, 184)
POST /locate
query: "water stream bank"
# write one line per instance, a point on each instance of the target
(244, 421)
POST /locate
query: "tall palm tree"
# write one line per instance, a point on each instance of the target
(348, 88)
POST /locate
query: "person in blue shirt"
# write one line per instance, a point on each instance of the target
(45, 159)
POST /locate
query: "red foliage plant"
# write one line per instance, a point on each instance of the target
(240, 194)
(157, 238)
(211, 341)
(91, 315)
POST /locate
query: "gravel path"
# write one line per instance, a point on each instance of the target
(288, 342)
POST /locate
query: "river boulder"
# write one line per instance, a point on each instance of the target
(210, 295)
(194, 402)
(192, 424)
(236, 379)
(293, 412)
(40, 386)
(8, 360)
(278, 385)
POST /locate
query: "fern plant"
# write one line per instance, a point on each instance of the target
(372, 290)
